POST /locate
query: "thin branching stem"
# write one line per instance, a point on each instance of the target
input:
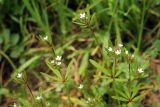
(29, 89)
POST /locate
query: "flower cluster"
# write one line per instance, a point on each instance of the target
(57, 61)
(89, 100)
(116, 51)
(119, 50)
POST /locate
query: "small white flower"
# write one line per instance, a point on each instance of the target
(58, 58)
(110, 49)
(14, 105)
(88, 100)
(52, 62)
(80, 86)
(59, 63)
(140, 70)
(46, 38)
(120, 45)
(19, 75)
(118, 52)
(132, 56)
(82, 15)
(38, 98)
(126, 52)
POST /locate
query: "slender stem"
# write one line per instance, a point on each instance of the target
(141, 28)
(129, 71)
(29, 89)
(52, 47)
(42, 103)
(129, 81)
(9, 60)
(1, 73)
(114, 66)
(94, 35)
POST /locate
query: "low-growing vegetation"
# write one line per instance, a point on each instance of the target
(80, 53)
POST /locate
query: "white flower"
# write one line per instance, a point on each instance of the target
(110, 49)
(58, 58)
(80, 86)
(59, 63)
(120, 45)
(38, 98)
(46, 38)
(82, 15)
(132, 56)
(19, 75)
(140, 70)
(14, 105)
(88, 100)
(126, 52)
(118, 52)
(52, 61)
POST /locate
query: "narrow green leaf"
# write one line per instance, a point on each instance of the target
(120, 98)
(138, 98)
(84, 64)
(134, 92)
(28, 63)
(78, 101)
(99, 67)
(122, 93)
(68, 70)
(118, 73)
(49, 77)
(25, 102)
(120, 80)
(96, 2)
(55, 71)
(130, 104)
(126, 90)
(4, 91)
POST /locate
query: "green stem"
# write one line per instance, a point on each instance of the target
(9, 60)
(93, 35)
(114, 66)
(29, 89)
(141, 28)
(129, 81)
(42, 103)
(52, 47)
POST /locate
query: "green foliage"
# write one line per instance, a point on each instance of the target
(154, 50)
(34, 32)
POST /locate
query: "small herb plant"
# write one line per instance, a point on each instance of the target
(118, 78)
